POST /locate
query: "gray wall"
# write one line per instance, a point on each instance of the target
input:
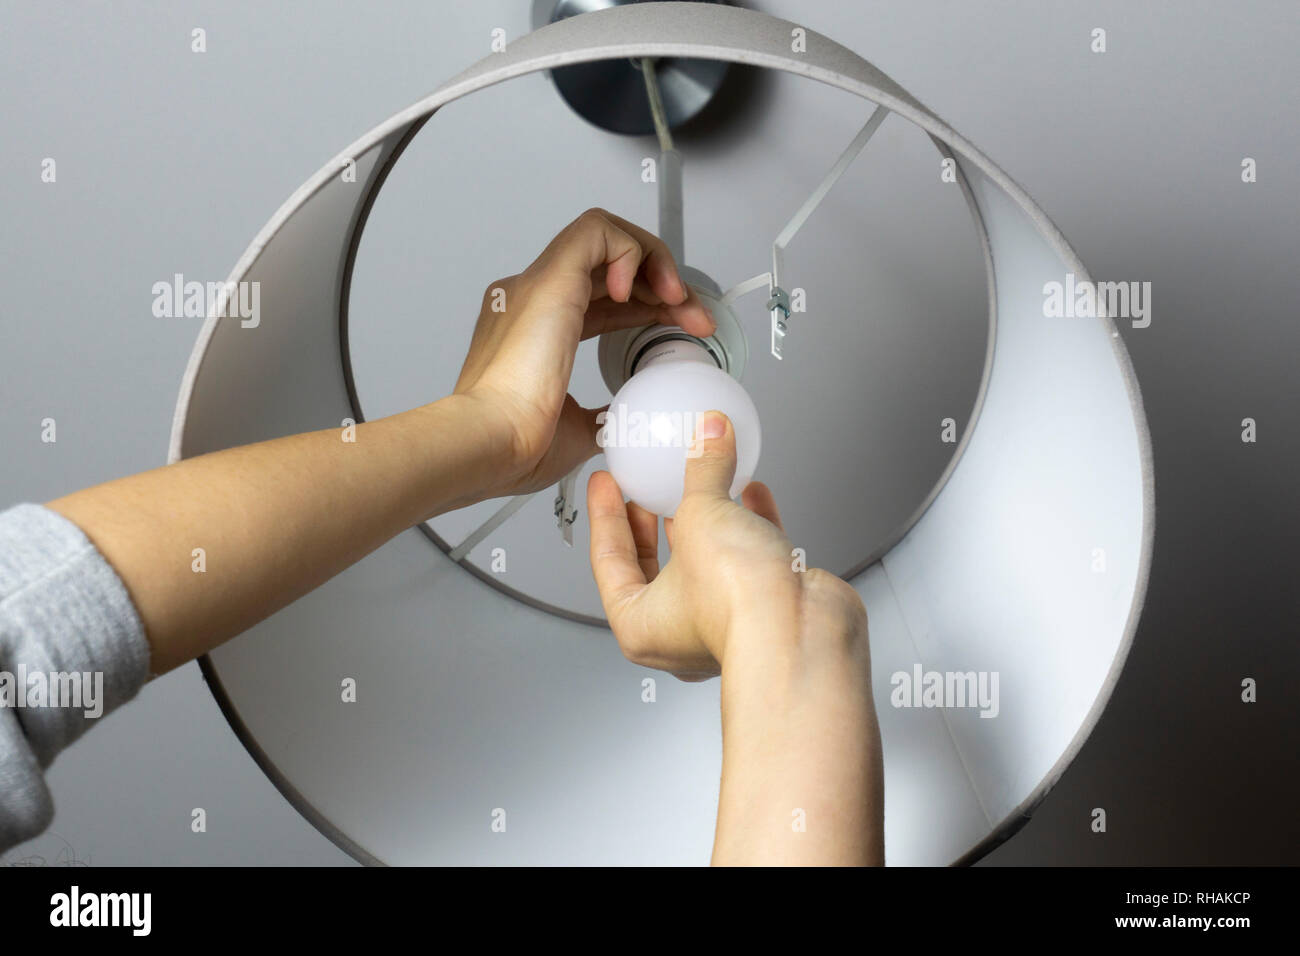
(170, 161)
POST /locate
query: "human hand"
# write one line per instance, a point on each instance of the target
(599, 274)
(799, 729)
(729, 590)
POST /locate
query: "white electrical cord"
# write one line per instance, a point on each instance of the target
(662, 130)
(672, 226)
(671, 230)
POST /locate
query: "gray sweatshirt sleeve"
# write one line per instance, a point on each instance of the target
(63, 612)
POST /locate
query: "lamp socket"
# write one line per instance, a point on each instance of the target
(623, 352)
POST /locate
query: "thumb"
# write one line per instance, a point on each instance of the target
(711, 459)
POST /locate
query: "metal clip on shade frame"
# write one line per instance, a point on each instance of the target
(778, 304)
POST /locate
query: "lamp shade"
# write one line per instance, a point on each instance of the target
(1019, 582)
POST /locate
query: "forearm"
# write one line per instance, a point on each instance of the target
(802, 777)
(274, 520)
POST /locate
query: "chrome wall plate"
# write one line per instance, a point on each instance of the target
(611, 93)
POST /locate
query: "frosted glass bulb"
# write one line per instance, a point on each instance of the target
(651, 423)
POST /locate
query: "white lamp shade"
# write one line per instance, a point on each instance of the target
(470, 702)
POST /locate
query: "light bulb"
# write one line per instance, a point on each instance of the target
(651, 423)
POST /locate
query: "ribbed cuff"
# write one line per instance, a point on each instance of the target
(67, 624)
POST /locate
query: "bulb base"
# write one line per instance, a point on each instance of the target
(626, 351)
(674, 348)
